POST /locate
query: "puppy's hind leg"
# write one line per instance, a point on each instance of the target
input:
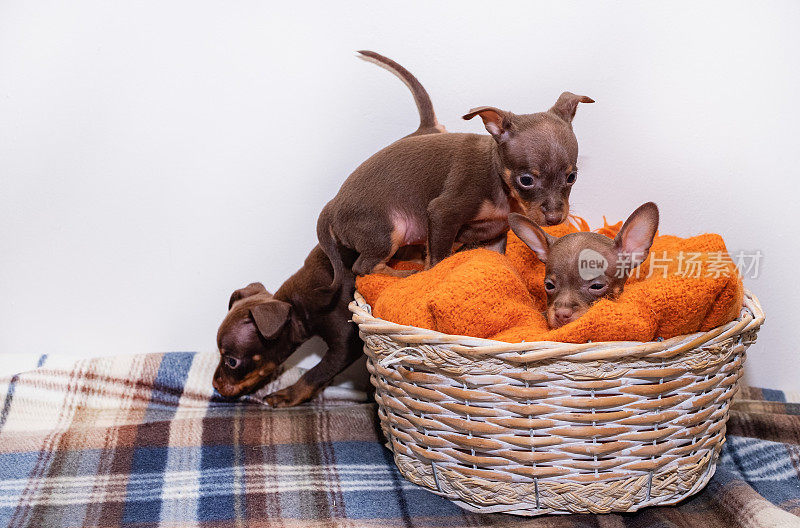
(374, 255)
(376, 242)
(367, 263)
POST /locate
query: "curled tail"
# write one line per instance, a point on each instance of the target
(331, 247)
(427, 117)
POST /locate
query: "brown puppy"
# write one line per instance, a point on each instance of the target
(439, 189)
(262, 330)
(581, 268)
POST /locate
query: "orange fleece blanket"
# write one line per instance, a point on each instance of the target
(686, 285)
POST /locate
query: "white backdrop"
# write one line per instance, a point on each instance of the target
(157, 155)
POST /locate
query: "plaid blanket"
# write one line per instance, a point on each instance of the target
(143, 441)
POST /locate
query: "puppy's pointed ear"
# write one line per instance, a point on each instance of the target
(249, 290)
(497, 122)
(636, 235)
(567, 104)
(534, 236)
(270, 317)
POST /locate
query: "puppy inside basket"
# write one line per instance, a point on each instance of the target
(684, 285)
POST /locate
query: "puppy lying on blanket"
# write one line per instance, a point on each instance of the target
(582, 268)
(484, 294)
(262, 330)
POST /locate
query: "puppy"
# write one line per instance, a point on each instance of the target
(439, 189)
(262, 330)
(581, 268)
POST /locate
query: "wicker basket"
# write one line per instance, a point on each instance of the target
(545, 427)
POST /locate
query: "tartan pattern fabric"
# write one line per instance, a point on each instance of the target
(143, 441)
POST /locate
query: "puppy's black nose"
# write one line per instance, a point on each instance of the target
(552, 217)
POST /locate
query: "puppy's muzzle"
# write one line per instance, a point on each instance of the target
(228, 388)
(553, 217)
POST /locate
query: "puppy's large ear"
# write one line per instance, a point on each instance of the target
(567, 104)
(533, 235)
(249, 290)
(636, 236)
(270, 317)
(496, 121)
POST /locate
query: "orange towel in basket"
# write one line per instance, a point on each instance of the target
(686, 285)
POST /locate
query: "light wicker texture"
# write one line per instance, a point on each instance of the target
(546, 427)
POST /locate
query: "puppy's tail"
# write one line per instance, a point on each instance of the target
(330, 246)
(427, 117)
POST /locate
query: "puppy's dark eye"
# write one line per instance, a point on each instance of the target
(549, 286)
(526, 180)
(572, 177)
(597, 286)
(232, 362)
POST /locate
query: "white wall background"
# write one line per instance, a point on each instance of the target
(155, 156)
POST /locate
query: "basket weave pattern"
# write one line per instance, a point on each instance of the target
(535, 428)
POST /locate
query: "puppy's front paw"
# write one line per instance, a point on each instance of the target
(291, 395)
(281, 398)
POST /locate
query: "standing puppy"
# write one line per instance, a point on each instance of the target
(262, 330)
(439, 189)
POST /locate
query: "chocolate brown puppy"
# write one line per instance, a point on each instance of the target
(262, 330)
(442, 189)
(582, 268)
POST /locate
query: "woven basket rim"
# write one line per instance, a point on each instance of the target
(751, 318)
